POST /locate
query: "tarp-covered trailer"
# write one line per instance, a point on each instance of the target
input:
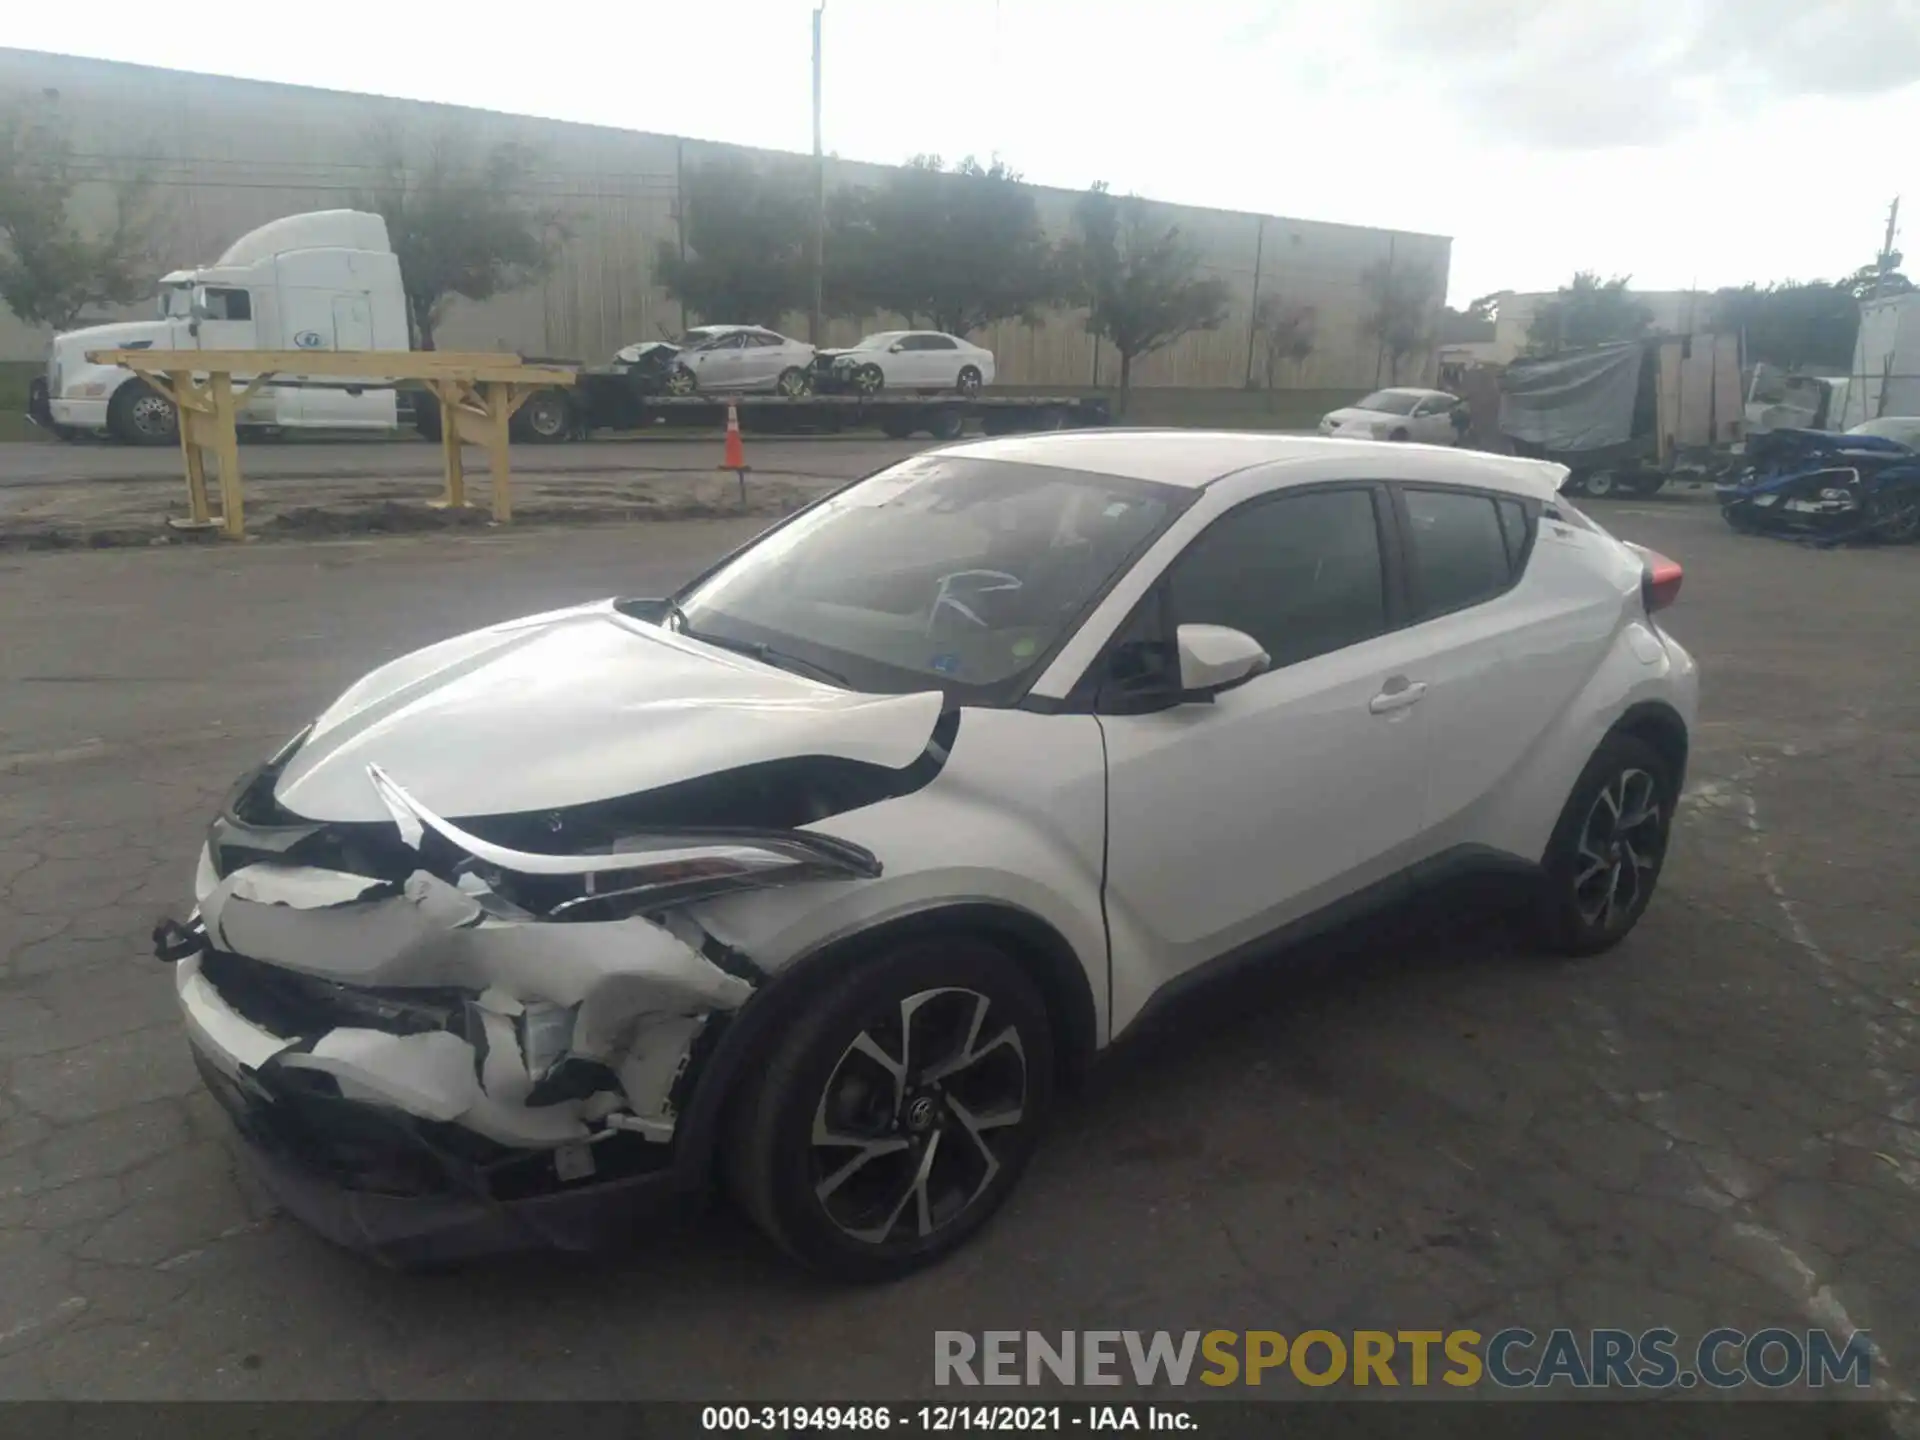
(1623, 416)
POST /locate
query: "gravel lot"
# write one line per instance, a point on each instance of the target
(1425, 1127)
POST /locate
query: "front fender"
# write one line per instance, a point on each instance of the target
(1016, 818)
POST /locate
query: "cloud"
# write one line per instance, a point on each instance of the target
(1571, 74)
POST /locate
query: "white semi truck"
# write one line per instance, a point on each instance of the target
(327, 280)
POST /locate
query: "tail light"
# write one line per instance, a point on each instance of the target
(1659, 581)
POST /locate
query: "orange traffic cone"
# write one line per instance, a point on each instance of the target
(736, 455)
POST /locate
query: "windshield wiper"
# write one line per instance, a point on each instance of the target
(759, 650)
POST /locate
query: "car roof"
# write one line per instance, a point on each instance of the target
(1407, 390)
(1194, 459)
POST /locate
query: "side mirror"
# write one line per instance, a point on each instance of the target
(1214, 658)
(895, 348)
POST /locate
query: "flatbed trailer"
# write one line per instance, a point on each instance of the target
(614, 397)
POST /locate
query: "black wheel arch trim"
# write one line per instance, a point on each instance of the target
(746, 1035)
(1661, 726)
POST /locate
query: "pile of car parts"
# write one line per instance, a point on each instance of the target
(1825, 489)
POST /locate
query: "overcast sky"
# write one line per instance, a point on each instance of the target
(1679, 141)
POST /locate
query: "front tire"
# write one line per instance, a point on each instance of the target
(1896, 518)
(869, 380)
(1604, 860)
(899, 1111)
(141, 415)
(681, 381)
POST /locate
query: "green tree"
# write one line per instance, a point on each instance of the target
(952, 249)
(1139, 280)
(1794, 325)
(1861, 284)
(1287, 331)
(1400, 312)
(463, 224)
(1588, 311)
(747, 258)
(53, 267)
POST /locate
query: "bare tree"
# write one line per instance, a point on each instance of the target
(1287, 332)
(53, 267)
(1400, 314)
(462, 224)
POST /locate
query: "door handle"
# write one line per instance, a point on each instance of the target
(1397, 694)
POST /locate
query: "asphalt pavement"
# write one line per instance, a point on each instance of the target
(1425, 1127)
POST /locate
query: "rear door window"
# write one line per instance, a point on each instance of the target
(1459, 546)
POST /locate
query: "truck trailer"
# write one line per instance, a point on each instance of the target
(330, 280)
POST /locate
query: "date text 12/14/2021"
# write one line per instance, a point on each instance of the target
(939, 1419)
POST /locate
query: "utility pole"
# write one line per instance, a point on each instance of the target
(819, 194)
(1889, 260)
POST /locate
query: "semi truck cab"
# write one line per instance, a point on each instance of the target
(328, 280)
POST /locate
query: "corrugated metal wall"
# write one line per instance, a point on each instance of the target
(232, 154)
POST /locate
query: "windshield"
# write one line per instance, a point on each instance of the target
(1391, 402)
(877, 342)
(939, 572)
(176, 302)
(695, 339)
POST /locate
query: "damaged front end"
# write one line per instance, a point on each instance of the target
(440, 1042)
(1826, 489)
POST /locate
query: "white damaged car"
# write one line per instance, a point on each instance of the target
(822, 874)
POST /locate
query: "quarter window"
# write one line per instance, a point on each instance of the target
(1460, 545)
(1301, 574)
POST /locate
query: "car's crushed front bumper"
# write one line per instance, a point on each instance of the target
(322, 1158)
(484, 1082)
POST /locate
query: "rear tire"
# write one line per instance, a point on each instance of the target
(907, 1172)
(1399, 435)
(793, 382)
(1604, 860)
(969, 380)
(546, 418)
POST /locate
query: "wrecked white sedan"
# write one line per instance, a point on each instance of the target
(821, 874)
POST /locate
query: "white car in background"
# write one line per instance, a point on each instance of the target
(1903, 429)
(911, 360)
(821, 872)
(1425, 416)
(737, 358)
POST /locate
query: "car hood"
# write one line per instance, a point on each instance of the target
(1350, 416)
(574, 706)
(111, 337)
